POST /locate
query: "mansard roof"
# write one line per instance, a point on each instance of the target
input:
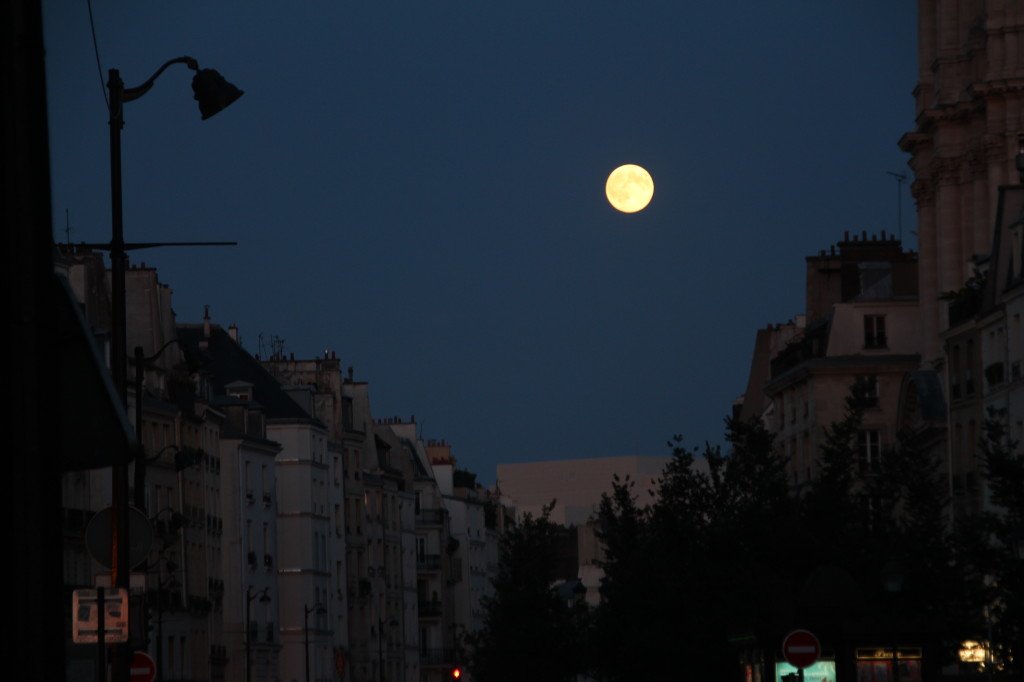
(225, 362)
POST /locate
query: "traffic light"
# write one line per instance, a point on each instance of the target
(456, 673)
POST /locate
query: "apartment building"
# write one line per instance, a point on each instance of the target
(861, 324)
(985, 350)
(176, 482)
(296, 552)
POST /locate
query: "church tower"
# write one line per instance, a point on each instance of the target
(969, 114)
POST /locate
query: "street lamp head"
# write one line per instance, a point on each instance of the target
(213, 92)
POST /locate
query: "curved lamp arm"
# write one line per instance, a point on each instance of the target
(129, 94)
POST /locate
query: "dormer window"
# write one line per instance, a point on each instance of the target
(874, 331)
(240, 390)
(875, 280)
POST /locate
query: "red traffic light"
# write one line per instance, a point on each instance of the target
(456, 673)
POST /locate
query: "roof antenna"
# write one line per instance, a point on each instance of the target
(67, 226)
(900, 179)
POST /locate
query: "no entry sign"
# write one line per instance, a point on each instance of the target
(801, 648)
(143, 668)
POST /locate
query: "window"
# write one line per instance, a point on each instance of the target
(869, 382)
(869, 450)
(969, 363)
(874, 331)
(875, 280)
(954, 372)
(347, 421)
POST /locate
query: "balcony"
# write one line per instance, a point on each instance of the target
(434, 517)
(428, 562)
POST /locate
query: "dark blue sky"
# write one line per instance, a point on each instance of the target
(419, 186)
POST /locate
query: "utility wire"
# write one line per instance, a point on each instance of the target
(96, 50)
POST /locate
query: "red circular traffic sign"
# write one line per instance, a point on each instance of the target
(143, 668)
(801, 648)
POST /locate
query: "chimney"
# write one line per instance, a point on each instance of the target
(350, 373)
(233, 332)
(206, 321)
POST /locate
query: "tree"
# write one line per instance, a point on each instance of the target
(529, 633)
(1003, 529)
(703, 566)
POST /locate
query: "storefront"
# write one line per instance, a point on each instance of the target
(822, 670)
(876, 664)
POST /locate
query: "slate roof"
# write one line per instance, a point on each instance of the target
(225, 361)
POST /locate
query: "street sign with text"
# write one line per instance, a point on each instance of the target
(85, 616)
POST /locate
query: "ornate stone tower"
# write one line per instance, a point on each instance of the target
(969, 113)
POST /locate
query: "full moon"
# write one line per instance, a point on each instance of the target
(629, 188)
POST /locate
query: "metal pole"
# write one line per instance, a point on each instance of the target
(140, 461)
(101, 637)
(160, 634)
(380, 647)
(118, 357)
(305, 630)
(248, 661)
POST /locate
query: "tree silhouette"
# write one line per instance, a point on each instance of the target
(529, 632)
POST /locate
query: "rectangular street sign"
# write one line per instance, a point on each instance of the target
(85, 616)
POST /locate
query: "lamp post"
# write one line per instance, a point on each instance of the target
(380, 644)
(319, 609)
(162, 588)
(213, 94)
(249, 597)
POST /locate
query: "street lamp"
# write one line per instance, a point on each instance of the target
(163, 587)
(320, 610)
(213, 94)
(249, 597)
(380, 644)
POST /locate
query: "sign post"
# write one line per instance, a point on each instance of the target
(801, 649)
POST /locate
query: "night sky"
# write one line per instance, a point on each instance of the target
(419, 187)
